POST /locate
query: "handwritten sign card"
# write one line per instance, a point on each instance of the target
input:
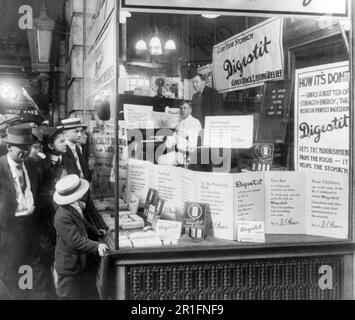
(168, 230)
(229, 131)
(138, 116)
(327, 204)
(251, 231)
(314, 203)
(285, 199)
(248, 190)
(216, 190)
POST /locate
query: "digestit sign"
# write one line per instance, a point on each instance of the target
(249, 58)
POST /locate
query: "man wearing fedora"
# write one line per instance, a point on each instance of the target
(76, 280)
(18, 230)
(75, 163)
(3, 148)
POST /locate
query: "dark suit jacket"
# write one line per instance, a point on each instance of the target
(48, 175)
(90, 212)
(13, 239)
(73, 244)
(209, 104)
(3, 149)
(70, 166)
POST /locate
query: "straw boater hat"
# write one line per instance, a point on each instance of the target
(72, 123)
(20, 135)
(70, 189)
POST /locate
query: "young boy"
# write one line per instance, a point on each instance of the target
(76, 279)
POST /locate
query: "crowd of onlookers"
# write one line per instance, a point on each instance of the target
(50, 230)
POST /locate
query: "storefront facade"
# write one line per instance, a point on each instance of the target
(271, 172)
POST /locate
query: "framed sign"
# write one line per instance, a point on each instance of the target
(249, 58)
(303, 7)
(274, 111)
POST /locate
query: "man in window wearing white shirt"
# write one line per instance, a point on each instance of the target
(184, 138)
(18, 191)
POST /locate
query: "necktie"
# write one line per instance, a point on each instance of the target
(200, 98)
(81, 160)
(22, 178)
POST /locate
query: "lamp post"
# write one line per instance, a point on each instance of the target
(40, 42)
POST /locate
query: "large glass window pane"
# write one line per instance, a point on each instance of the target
(233, 128)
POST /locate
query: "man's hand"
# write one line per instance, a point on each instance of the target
(102, 249)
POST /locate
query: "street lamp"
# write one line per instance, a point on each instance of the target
(40, 42)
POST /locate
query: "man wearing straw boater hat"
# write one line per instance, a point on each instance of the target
(18, 234)
(75, 163)
(74, 247)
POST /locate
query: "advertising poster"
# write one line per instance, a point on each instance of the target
(103, 139)
(97, 13)
(250, 58)
(100, 71)
(322, 118)
(320, 7)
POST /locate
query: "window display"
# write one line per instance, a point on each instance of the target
(269, 99)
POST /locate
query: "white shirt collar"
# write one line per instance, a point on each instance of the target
(71, 144)
(77, 207)
(12, 163)
(188, 117)
(55, 158)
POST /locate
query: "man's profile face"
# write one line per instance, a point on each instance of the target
(198, 83)
(73, 135)
(84, 137)
(185, 110)
(19, 153)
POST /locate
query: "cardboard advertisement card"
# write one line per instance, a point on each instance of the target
(251, 231)
(195, 217)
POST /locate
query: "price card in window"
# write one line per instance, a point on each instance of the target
(168, 230)
(251, 231)
(229, 132)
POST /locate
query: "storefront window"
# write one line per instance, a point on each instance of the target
(232, 128)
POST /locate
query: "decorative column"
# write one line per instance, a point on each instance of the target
(75, 62)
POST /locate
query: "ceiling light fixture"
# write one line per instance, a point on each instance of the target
(155, 42)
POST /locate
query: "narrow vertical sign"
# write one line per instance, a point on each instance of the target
(322, 118)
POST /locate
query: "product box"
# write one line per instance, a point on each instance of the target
(155, 212)
(150, 201)
(129, 220)
(195, 216)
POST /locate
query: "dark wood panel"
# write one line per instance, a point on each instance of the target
(267, 279)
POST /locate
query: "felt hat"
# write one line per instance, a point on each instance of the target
(70, 189)
(2, 132)
(72, 123)
(38, 134)
(20, 135)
